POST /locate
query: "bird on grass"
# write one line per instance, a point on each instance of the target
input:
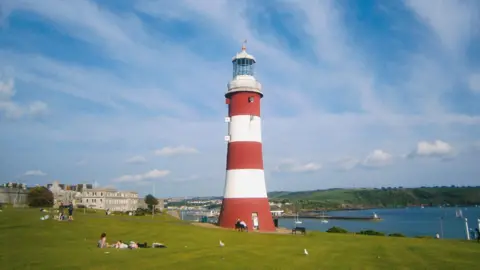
(305, 251)
(221, 244)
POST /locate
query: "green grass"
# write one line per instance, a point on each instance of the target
(29, 243)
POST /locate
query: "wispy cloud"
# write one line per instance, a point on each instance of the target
(292, 166)
(377, 158)
(135, 178)
(34, 173)
(13, 110)
(136, 160)
(173, 151)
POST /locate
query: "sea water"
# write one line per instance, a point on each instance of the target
(414, 221)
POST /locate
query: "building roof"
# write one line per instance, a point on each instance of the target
(275, 208)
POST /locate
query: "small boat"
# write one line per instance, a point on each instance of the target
(297, 221)
(323, 219)
(459, 213)
(375, 216)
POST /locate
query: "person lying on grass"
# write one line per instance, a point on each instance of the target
(120, 244)
(102, 243)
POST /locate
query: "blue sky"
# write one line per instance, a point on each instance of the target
(130, 93)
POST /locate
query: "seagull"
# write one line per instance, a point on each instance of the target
(305, 251)
(221, 243)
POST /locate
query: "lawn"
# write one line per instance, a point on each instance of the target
(29, 243)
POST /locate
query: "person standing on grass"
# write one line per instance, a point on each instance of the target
(70, 211)
(478, 234)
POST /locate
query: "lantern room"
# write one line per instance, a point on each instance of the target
(243, 63)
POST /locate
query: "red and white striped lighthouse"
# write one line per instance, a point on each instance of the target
(245, 195)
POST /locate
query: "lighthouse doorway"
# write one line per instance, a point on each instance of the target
(255, 220)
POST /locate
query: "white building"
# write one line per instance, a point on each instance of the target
(60, 194)
(107, 198)
(276, 211)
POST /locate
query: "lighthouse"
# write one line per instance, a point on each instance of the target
(245, 194)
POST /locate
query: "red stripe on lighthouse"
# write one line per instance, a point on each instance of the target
(238, 208)
(241, 105)
(244, 155)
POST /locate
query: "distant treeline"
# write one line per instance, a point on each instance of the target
(389, 197)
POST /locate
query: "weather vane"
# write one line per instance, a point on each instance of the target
(244, 45)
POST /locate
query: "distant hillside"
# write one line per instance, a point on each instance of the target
(383, 197)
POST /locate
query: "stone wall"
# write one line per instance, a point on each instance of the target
(13, 195)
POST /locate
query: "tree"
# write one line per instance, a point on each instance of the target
(40, 197)
(151, 201)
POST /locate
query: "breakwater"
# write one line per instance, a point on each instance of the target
(316, 216)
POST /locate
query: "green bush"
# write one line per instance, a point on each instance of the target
(371, 232)
(396, 235)
(40, 197)
(336, 229)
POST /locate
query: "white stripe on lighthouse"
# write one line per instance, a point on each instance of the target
(245, 128)
(245, 183)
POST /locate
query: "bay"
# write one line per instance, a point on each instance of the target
(410, 222)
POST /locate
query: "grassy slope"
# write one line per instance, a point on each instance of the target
(28, 243)
(388, 197)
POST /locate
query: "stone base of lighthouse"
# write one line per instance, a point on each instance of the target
(246, 209)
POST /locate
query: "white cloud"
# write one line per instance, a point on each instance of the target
(474, 82)
(173, 151)
(293, 166)
(347, 163)
(136, 160)
(436, 148)
(377, 158)
(454, 29)
(135, 178)
(34, 173)
(13, 110)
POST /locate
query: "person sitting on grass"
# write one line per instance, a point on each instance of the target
(102, 243)
(244, 225)
(61, 217)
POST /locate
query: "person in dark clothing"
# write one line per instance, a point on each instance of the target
(70, 211)
(478, 234)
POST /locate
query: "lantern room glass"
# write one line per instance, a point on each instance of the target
(243, 66)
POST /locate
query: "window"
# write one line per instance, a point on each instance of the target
(250, 99)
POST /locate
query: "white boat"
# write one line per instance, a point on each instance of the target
(324, 220)
(297, 221)
(459, 213)
(375, 216)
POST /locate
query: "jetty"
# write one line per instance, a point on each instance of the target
(374, 217)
